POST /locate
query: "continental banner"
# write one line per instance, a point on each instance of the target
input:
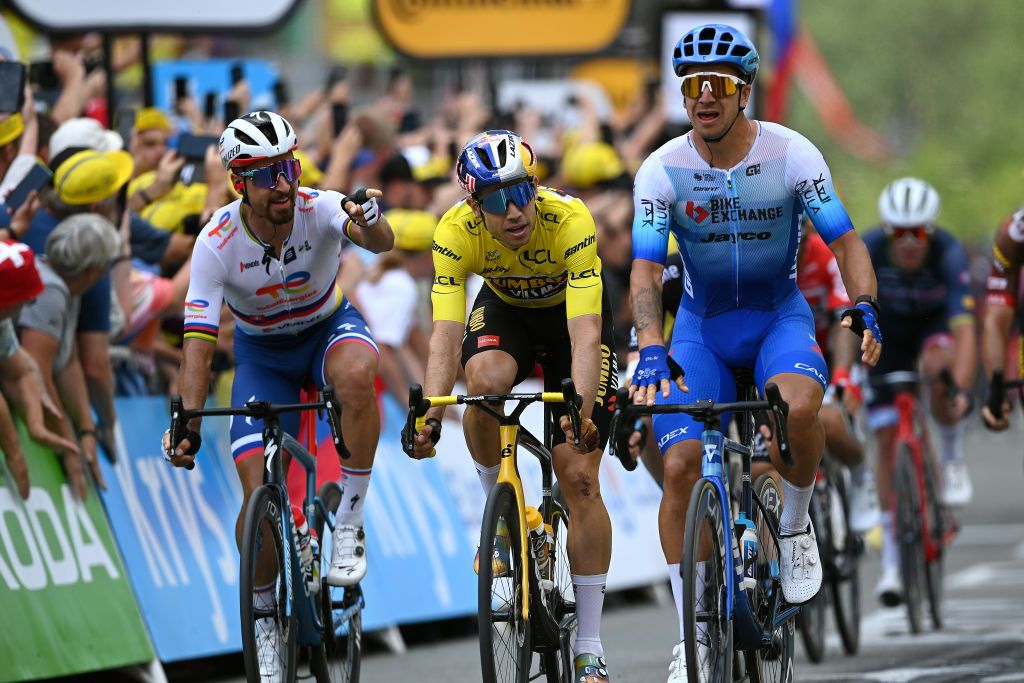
(499, 28)
(65, 599)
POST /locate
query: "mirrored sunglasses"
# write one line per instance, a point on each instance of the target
(266, 176)
(721, 85)
(918, 232)
(496, 201)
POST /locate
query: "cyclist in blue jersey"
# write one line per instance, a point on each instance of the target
(923, 287)
(733, 191)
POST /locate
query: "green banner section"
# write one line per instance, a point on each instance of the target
(66, 602)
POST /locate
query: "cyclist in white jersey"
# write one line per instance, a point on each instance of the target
(272, 257)
(732, 191)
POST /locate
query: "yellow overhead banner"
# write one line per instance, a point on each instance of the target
(497, 28)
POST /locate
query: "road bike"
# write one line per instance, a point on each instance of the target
(731, 600)
(521, 610)
(325, 622)
(924, 526)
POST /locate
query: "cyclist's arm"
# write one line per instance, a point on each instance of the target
(854, 264)
(442, 361)
(194, 377)
(585, 334)
(1001, 294)
(202, 326)
(652, 217)
(448, 298)
(645, 302)
(960, 309)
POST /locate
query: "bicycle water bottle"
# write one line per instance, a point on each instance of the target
(538, 540)
(748, 550)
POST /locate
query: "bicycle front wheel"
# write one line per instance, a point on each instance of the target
(908, 535)
(340, 610)
(812, 616)
(846, 584)
(268, 632)
(558, 665)
(937, 534)
(505, 653)
(772, 663)
(706, 624)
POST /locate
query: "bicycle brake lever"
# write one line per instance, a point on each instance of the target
(780, 410)
(333, 409)
(178, 426)
(573, 405)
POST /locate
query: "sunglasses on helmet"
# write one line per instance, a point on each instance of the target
(496, 200)
(721, 85)
(266, 176)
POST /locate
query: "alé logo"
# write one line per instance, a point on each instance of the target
(696, 212)
(296, 283)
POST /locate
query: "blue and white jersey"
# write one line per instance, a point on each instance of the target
(738, 229)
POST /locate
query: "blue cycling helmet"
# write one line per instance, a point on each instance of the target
(495, 157)
(716, 44)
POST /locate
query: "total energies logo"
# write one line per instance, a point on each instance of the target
(223, 222)
(296, 283)
(196, 305)
(696, 212)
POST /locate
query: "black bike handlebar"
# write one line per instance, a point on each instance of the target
(702, 411)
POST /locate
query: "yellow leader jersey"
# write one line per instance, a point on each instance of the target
(559, 263)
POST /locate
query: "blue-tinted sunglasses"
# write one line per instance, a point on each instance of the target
(496, 201)
(266, 176)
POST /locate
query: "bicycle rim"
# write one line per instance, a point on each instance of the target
(908, 535)
(846, 588)
(268, 634)
(812, 616)
(773, 663)
(933, 574)
(558, 665)
(340, 609)
(504, 635)
(706, 624)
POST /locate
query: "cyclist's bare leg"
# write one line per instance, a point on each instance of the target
(351, 369)
(886, 437)
(838, 439)
(682, 470)
(934, 359)
(651, 455)
(492, 372)
(590, 534)
(806, 433)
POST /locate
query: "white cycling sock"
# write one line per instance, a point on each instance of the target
(676, 580)
(589, 605)
(353, 484)
(951, 442)
(890, 550)
(488, 476)
(795, 499)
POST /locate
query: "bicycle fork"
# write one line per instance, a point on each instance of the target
(508, 474)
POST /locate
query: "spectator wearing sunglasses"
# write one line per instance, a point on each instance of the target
(272, 256)
(732, 191)
(928, 313)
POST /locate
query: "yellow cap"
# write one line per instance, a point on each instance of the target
(534, 520)
(311, 173)
(151, 118)
(10, 128)
(586, 165)
(90, 176)
(414, 230)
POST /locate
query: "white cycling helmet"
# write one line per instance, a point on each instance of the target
(256, 136)
(908, 202)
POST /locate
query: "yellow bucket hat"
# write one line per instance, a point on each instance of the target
(90, 176)
(10, 128)
(151, 118)
(414, 230)
(589, 164)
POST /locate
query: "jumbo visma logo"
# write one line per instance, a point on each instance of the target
(296, 283)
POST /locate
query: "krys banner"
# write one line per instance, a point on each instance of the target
(65, 600)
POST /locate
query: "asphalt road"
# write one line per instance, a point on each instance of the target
(983, 639)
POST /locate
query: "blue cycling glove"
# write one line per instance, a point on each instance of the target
(865, 317)
(655, 365)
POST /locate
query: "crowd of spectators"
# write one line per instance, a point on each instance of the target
(105, 245)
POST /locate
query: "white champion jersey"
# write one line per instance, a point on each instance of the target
(268, 296)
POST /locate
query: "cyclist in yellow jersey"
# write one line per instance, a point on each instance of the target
(544, 302)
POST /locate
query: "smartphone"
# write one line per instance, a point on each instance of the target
(37, 177)
(281, 93)
(337, 73)
(210, 105)
(339, 116)
(191, 226)
(231, 110)
(237, 73)
(43, 75)
(180, 88)
(193, 147)
(12, 87)
(192, 172)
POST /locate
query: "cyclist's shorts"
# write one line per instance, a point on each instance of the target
(541, 335)
(276, 368)
(709, 349)
(904, 343)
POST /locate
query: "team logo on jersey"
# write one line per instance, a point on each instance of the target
(296, 283)
(246, 265)
(224, 230)
(493, 255)
(696, 212)
(537, 257)
(197, 305)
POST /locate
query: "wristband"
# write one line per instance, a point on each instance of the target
(89, 432)
(871, 301)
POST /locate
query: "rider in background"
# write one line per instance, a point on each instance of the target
(1000, 307)
(928, 314)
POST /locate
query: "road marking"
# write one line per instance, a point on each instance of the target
(903, 675)
(989, 534)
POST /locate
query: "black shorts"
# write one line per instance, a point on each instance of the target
(903, 341)
(541, 335)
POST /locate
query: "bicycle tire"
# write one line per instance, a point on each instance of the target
(846, 588)
(263, 523)
(505, 646)
(812, 618)
(558, 664)
(342, 646)
(705, 525)
(773, 664)
(933, 575)
(908, 535)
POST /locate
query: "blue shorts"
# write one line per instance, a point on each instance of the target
(709, 349)
(276, 368)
